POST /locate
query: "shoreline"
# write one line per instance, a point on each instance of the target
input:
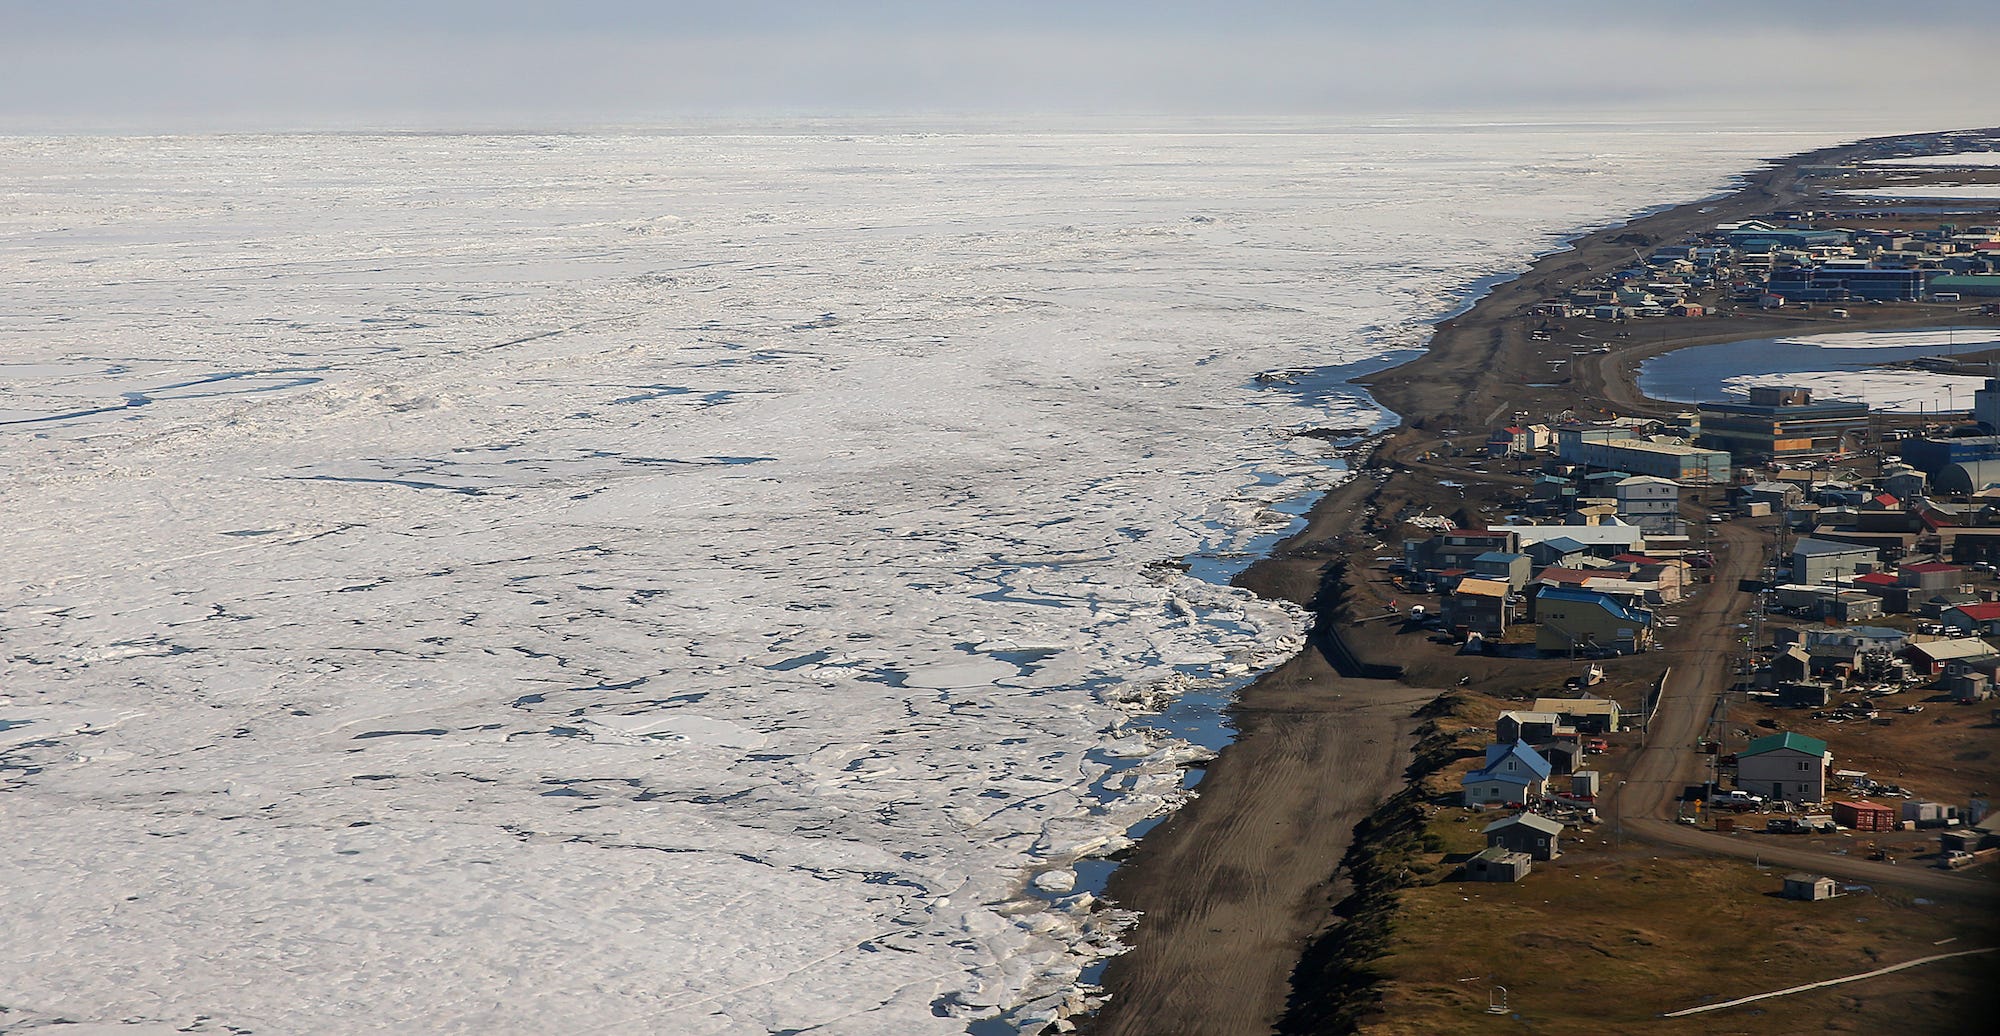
(1241, 888)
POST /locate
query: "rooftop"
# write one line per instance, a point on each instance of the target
(1789, 741)
(1534, 821)
(1812, 548)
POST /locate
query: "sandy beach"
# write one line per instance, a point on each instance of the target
(1236, 885)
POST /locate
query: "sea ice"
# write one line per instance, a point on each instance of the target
(658, 582)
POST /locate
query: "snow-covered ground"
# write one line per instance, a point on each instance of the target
(1933, 192)
(663, 583)
(1960, 159)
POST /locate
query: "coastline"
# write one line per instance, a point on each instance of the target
(1243, 888)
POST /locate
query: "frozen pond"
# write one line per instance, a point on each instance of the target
(1839, 365)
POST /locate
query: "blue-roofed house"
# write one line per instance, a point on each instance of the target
(1578, 622)
(1561, 552)
(1513, 773)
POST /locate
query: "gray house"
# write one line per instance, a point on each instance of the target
(1529, 726)
(1513, 569)
(1529, 833)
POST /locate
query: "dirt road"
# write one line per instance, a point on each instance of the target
(1643, 804)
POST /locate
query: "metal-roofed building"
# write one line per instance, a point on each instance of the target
(1588, 622)
(1620, 449)
(1782, 423)
(1967, 477)
(1816, 561)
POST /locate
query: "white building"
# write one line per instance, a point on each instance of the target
(1651, 503)
(1787, 767)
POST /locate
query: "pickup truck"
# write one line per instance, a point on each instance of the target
(1738, 800)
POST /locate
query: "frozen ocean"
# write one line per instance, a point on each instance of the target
(669, 583)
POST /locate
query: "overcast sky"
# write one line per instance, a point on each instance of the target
(346, 64)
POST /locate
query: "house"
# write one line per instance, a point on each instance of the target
(1934, 576)
(1601, 540)
(1668, 577)
(1576, 621)
(1934, 606)
(1982, 619)
(1562, 753)
(1513, 774)
(1815, 561)
(1904, 481)
(1588, 715)
(1895, 598)
(1791, 665)
(1512, 569)
(1519, 440)
(1530, 833)
(1809, 887)
(1560, 552)
(1929, 657)
(1785, 767)
(1496, 863)
(1970, 679)
(1529, 726)
(1457, 548)
(1478, 606)
(1804, 694)
(1649, 502)
(1849, 641)
(1862, 815)
(1780, 495)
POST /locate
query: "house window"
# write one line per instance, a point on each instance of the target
(1802, 765)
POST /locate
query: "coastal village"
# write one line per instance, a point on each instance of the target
(1619, 711)
(1768, 621)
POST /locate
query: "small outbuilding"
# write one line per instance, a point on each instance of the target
(1530, 833)
(1809, 887)
(1497, 863)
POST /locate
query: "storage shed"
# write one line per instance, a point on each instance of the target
(1863, 815)
(1808, 887)
(1497, 863)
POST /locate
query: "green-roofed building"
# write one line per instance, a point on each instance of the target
(1985, 285)
(1789, 767)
